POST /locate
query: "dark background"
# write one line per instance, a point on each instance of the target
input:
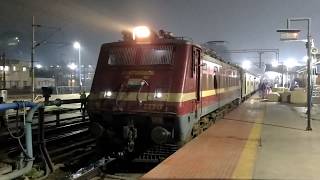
(243, 23)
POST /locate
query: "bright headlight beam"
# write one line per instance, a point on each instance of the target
(158, 95)
(140, 32)
(107, 94)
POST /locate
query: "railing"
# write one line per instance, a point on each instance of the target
(70, 89)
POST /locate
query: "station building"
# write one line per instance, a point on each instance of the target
(15, 74)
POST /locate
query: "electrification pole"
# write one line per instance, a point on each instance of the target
(32, 59)
(308, 45)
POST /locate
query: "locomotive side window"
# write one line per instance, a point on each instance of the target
(144, 55)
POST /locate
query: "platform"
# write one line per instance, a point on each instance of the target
(257, 140)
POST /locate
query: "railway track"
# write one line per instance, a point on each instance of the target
(66, 138)
(68, 142)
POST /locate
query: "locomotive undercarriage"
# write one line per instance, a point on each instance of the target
(206, 121)
(130, 135)
(146, 135)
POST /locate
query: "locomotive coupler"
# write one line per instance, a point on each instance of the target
(130, 134)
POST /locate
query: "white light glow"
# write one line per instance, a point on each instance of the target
(141, 32)
(287, 36)
(72, 66)
(274, 63)
(272, 75)
(305, 58)
(76, 45)
(38, 66)
(290, 63)
(158, 95)
(107, 94)
(246, 64)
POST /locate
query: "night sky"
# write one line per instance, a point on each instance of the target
(245, 24)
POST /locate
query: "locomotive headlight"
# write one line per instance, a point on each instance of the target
(140, 32)
(107, 94)
(158, 95)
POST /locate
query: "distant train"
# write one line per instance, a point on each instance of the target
(159, 89)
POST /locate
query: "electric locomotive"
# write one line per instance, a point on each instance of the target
(154, 88)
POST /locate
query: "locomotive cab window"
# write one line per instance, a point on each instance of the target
(142, 55)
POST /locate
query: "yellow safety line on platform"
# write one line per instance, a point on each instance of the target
(245, 166)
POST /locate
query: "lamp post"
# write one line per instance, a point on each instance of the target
(77, 45)
(292, 34)
(72, 67)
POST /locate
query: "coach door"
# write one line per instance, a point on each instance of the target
(197, 69)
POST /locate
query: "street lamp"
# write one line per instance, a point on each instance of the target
(72, 66)
(246, 65)
(292, 34)
(38, 66)
(77, 45)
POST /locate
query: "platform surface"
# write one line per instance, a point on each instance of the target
(257, 140)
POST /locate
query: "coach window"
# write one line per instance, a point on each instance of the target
(210, 81)
(215, 83)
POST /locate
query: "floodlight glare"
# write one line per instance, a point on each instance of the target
(38, 66)
(140, 32)
(246, 64)
(76, 45)
(290, 63)
(72, 66)
(274, 63)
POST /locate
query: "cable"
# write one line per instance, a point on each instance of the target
(17, 124)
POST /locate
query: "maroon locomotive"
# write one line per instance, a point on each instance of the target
(158, 89)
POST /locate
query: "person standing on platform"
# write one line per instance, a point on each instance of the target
(83, 101)
(263, 90)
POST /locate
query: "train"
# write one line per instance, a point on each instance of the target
(155, 89)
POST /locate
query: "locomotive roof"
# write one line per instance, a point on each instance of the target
(157, 41)
(208, 52)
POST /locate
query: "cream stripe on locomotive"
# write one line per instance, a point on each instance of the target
(168, 97)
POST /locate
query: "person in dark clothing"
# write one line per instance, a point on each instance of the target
(83, 101)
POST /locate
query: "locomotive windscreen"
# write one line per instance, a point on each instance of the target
(140, 55)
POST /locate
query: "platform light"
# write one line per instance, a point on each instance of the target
(72, 66)
(246, 64)
(274, 63)
(76, 45)
(140, 32)
(288, 34)
(38, 66)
